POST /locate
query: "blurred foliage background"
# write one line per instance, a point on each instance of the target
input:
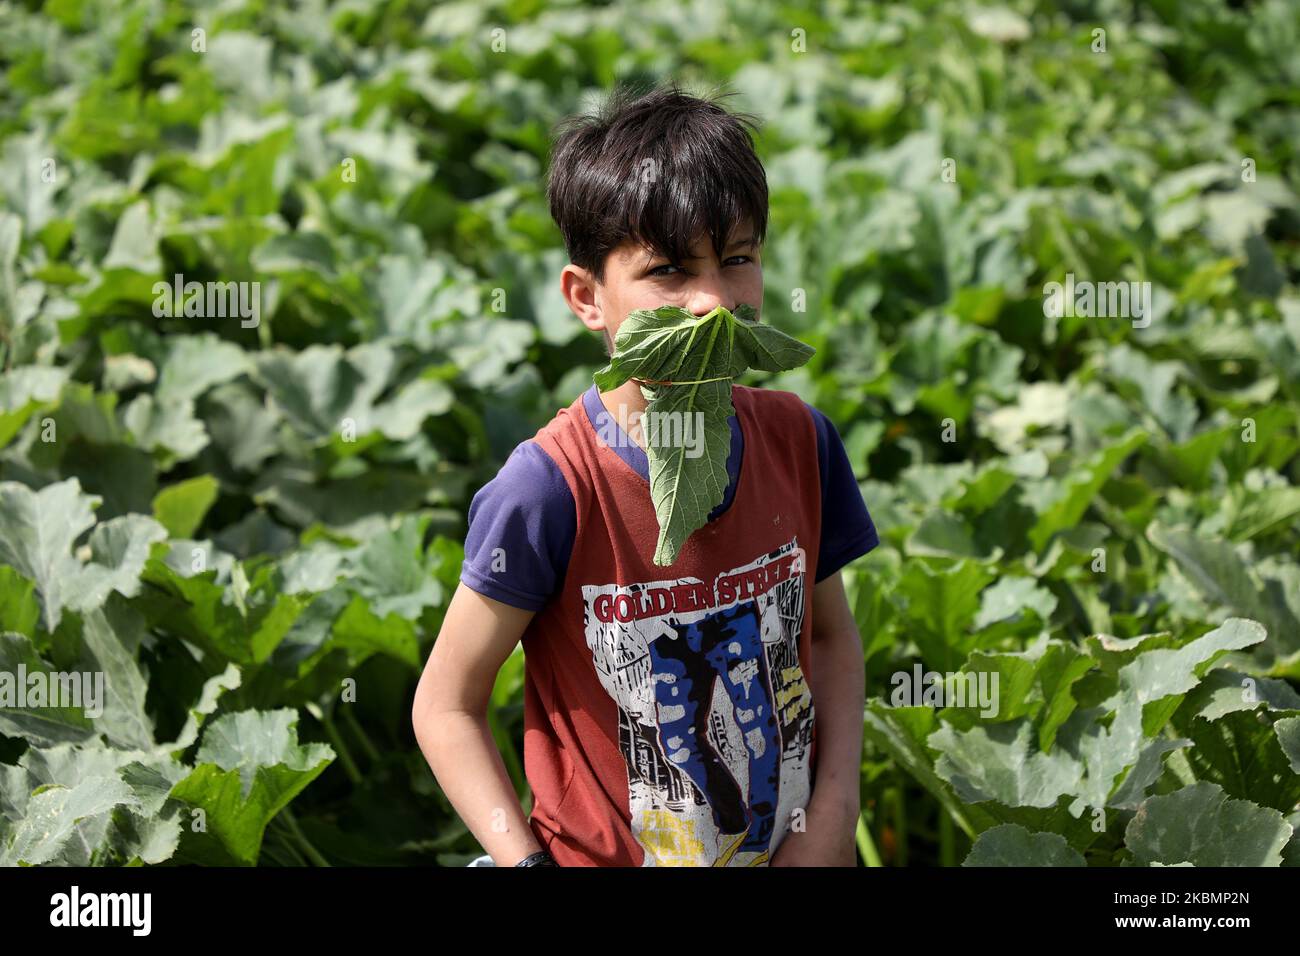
(183, 509)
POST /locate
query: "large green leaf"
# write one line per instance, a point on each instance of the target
(166, 427)
(394, 571)
(687, 364)
(1036, 682)
(1076, 492)
(53, 814)
(901, 732)
(1224, 578)
(1012, 845)
(1245, 753)
(686, 489)
(1288, 736)
(1225, 691)
(1001, 762)
(38, 530)
(24, 390)
(941, 606)
(1150, 688)
(242, 623)
(195, 363)
(180, 507)
(40, 726)
(150, 832)
(1105, 755)
(111, 637)
(143, 825)
(248, 767)
(1200, 825)
(314, 389)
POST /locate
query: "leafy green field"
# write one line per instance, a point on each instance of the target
(249, 518)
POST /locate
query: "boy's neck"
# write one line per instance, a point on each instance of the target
(622, 402)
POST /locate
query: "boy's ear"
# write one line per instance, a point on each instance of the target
(579, 288)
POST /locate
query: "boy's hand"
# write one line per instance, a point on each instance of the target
(827, 841)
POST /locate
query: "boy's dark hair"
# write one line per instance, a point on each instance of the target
(659, 167)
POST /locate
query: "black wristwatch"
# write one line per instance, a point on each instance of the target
(540, 858)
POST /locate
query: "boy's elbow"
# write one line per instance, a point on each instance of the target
(430, 711)
(422, 711)
(417, 720)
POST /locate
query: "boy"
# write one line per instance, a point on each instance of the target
(669, 714)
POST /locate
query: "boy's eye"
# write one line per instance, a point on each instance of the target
(662, 270)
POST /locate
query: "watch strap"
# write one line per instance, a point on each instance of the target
(540, 858)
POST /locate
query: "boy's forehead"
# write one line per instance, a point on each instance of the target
(632, 251)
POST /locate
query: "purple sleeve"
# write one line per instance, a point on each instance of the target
(847, 529)
(521, 529)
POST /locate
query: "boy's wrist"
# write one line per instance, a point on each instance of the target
(540, 858)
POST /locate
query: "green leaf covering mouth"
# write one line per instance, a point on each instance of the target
(685, 365)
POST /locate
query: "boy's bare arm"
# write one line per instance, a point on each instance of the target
(449, 716)
(839, 689)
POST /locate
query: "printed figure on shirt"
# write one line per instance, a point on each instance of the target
(715, 715)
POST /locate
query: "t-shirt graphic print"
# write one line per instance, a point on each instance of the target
(715, 716)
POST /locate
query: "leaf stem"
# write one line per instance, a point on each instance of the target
(866, 845)
(947, 843)
(345, 755)
(900, 822)
(308, 850)
(371, 751)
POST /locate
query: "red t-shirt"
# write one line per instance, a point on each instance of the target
(668, 716)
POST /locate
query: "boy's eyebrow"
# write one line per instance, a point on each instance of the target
(748, 242)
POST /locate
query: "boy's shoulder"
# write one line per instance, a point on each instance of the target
(521, 528)
(526, 467)
(527, 488)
